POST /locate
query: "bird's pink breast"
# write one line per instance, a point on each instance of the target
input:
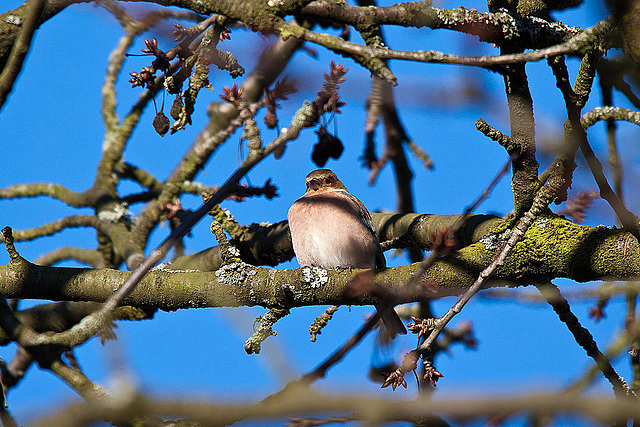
(327, 232)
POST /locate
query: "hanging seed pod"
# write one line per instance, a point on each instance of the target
(161, 123)
(327, 146)
(176, 107)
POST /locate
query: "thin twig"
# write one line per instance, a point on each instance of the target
(618, 346)
(609, 113)
(55, 191)
(438, 253)
(85, 256)
(628, 220)
(264, 329)
(321, 321)
(544, 196)
(49, 229)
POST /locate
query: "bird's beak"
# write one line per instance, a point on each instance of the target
(315, 184)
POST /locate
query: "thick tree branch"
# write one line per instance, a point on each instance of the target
(582, 253)
(525, 166)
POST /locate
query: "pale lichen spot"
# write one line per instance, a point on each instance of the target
(316, 277)
(272, 274)
(160, 266)
(494, 241)
(234, 251)
(108, 141)
(489, 242)
(505, 234)
(13, 19)
(542, 222)
(119, 213)
(166, 268)
(234, 274)
(229, 215)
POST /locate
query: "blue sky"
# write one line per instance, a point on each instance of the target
(52, 132)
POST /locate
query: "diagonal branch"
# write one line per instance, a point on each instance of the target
(574, 102)
(20, 49)
(221, 125)
(543, 198)
(583, 337)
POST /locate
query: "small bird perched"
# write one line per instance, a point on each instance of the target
(331, 228)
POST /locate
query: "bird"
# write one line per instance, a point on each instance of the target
(332, 229)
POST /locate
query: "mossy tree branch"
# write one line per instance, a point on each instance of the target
(552, 247)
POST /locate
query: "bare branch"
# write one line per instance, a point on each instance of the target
(20, 49)
(364, 54)
(578, 137)
(583, 337)
(264, 329)
(56, 191)
(74, 221)
(544, 196)
(607, 113)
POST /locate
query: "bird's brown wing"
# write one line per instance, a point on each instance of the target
(381, 261)
(390, 318)
(365, 217)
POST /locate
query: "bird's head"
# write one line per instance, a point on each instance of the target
(322, 180)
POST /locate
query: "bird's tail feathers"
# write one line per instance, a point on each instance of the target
(392, 322)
